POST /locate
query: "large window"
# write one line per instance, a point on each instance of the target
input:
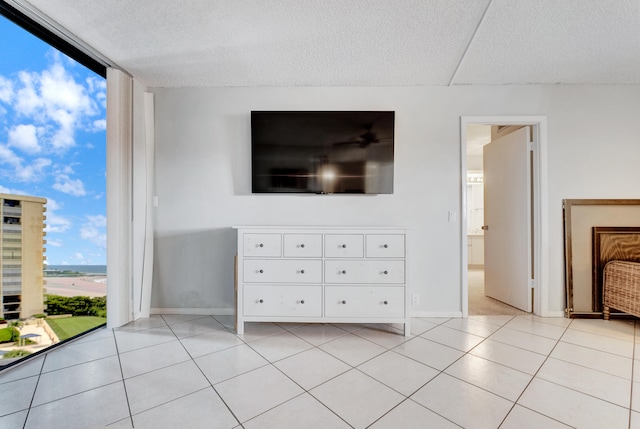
(52, 176)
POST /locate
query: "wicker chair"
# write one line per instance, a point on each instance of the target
(621, 288)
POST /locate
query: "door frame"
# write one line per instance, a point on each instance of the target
(539, 200)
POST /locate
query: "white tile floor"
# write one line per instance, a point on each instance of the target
(175, 371)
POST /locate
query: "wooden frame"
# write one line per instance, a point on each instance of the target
(612, 243)
(579, 218)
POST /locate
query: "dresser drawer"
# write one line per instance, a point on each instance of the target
(365, 271)
(302, 245)
(282, 271)
(385, 246)
(363, 301)
(261, 300)
(256, 245)
(344, 245)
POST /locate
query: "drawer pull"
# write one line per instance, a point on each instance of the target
(302, 245)
(260, 245)
(343, 302)
(344, 246)
(260, 301)
(386, 246)
(385, 272)
(302, 301)
(386, 302)
(301, 271)
(343, 272)
(261, 271)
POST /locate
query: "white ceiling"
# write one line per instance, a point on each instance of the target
(169, 43)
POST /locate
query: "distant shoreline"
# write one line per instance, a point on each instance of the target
(88, 270)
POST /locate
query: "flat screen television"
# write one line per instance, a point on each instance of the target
(322, 152)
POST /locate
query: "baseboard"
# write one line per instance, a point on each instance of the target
(199, 311)
(436, 314)
(556, 313)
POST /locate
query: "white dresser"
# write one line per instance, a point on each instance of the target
(322, 274)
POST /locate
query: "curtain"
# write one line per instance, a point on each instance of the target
(119, 145)
(143, 207)
(130, 173)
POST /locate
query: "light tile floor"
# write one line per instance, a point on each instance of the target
(177, 371)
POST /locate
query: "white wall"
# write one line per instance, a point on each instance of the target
(203, 177)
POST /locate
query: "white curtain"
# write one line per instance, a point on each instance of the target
(130, 161)
(143, 209)
(119, 145)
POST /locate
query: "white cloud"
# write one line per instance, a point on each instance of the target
(7, 156)
(54, 99)
(70, 186)
(6, 90)
(19, 171)
(93, 230)
(100, 124)
(5, 190)
(33, 172)
(98, 220)
(55, 223)
(52, 205)
(54, 243)
(28, 101)
(25, 138)
(78, 257)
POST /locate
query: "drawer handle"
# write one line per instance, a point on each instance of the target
(343, 272)
(301, 271)
(261, 301)
(343, 302)
(261, 271)
(302, 301)
(344, 246)
(260, 245)
(386, 302)
(385, 272)
(302, 245)
(385, 246)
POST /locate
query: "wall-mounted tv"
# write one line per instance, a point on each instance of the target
(322, 152)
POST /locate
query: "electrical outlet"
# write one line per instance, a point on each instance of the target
(415, 299)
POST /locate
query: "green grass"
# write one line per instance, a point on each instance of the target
(70, 326)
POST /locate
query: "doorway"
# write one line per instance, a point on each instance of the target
(530, 287)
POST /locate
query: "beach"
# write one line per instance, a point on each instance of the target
(91, 286)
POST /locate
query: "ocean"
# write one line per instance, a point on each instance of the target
(85, 269)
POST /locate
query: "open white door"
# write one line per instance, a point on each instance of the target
(507, 211)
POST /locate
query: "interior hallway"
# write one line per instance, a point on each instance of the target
(479, 303)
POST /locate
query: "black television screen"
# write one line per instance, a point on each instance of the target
(322, 152)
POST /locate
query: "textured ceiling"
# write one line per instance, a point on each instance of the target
(169, 43)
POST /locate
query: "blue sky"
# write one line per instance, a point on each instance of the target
(53, 143)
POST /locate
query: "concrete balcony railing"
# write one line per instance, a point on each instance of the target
(12, 211)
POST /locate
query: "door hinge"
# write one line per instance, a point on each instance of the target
(532, 284)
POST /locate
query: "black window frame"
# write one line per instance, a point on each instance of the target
(52, 39)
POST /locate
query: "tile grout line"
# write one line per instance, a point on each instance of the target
(304, 390)
(26, 418)
(533, 377)
(440, 372)
(124, 385)
(308, 392)
(203, 374)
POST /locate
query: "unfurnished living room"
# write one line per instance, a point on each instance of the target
(300, 209)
